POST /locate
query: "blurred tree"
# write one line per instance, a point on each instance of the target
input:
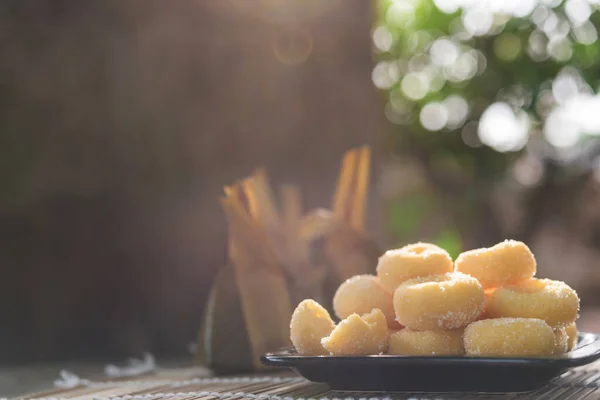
(493, 106)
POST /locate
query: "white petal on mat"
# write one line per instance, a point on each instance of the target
(134, 367)
(69, 380)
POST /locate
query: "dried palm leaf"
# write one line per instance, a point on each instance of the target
(260, 281)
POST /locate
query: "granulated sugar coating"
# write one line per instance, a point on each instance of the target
(506, 337)
(506, 263)
(426, 343)
(360, 295)
(412, 261)
(572, 332)
(488, 304)
(310, 323)
(356, 336)
(439, 302)
(379, 328)
(487, 293)
(553, 301)
(561, 341)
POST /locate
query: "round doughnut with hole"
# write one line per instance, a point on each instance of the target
(552, 301)
(360, 295)
(412, 261)
(506, 263)
(439, 302)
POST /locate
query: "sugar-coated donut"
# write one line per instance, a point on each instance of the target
(355, 335)
(509, 337)
(561, 341)
(309, 324)
(572, 335)
(412, 261)
(506, 263)
(379, 328)
(487, 293)
(486, 304)
(426, 343)
(360, 295)
(553, 301)
(439, 302)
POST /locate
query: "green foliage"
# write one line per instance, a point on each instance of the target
(508, 68)
(440, 71)
(451, 241)
(406, 214)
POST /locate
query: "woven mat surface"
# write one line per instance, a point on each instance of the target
(39, 378)
(191, 383)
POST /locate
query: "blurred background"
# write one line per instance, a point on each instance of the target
(121, 121)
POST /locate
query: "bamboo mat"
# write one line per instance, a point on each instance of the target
(192, 383)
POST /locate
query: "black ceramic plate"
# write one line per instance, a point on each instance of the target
(436, 374)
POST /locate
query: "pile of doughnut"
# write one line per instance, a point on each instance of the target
(487, 303)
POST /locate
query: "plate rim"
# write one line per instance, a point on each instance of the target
(587, 352)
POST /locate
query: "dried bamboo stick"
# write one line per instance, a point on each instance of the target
(344, 186)
(250, 194)
(359, 195)
(234, 194)
(265, 199)
(292, 206)
(245, 235)
(351, 194)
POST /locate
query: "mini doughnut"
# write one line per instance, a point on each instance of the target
(439, 302)
(360, 295)
(487, 294)
(379, 328)
(553, 301)
(310, 323)
(561, 341)
(509, 337)
(412, 261)
(506, 263)
(355, 336)
(426, 343)
(572, 333)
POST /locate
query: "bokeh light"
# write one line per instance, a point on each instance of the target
(434, 116)
(447, 6)
(586, 33)
(444, 52)
(400, 13)
(560, 131)
(385, 74)
(478, 20)
(578, 11)
(292, 46)
(415, 85)
(503, 129)
(528, 171)
(507, 47)
(382, 38)
(458, 110)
